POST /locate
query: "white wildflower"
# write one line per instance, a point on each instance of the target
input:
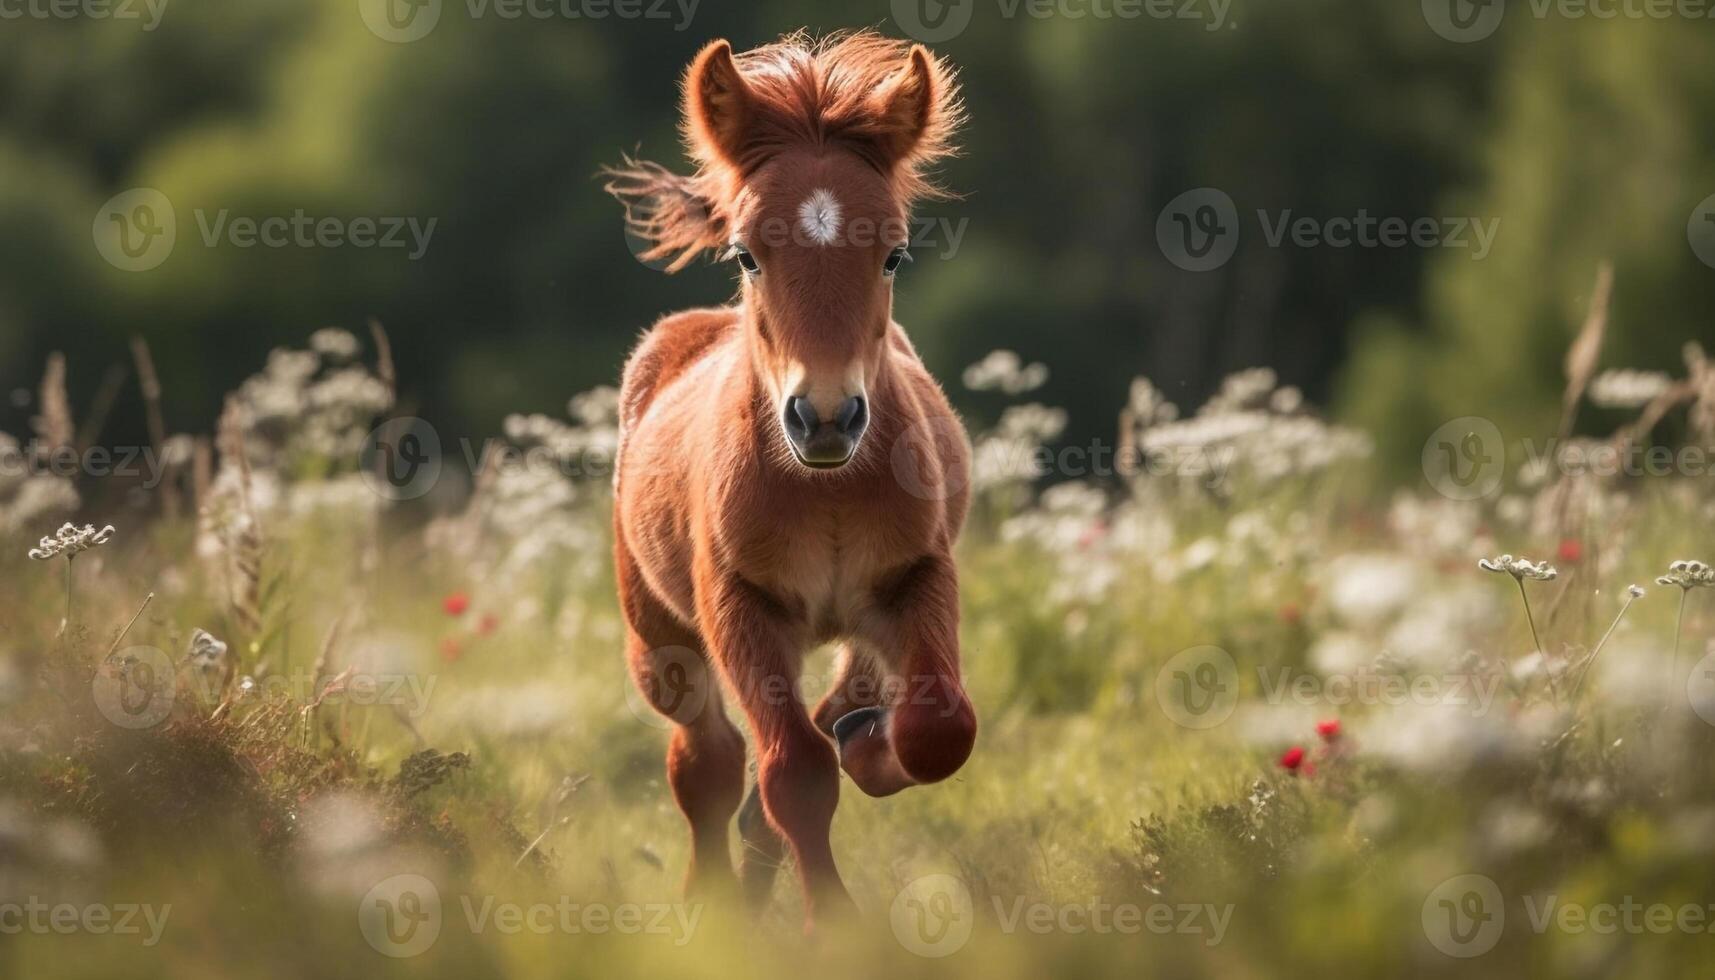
(1627, 388)
(1369, 589)
(335, 345)
(1688, 575)
(1003, 370)
(1519, 568)
(71, 541)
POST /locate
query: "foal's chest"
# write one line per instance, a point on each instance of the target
(827, 566)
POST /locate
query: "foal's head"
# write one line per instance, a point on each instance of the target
(811, 155)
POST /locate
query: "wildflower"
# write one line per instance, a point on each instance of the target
(452, 648)
(1571, 551)
(1628, 388)
(456, 604)
(335, 345)
(1291, 614)
(1292, 759)
(1633, 594)
(1329, 729)
(488, 624)
(1519, 568)
(71, 541)
(1003, 370)
(208, 658)
(1688, 575)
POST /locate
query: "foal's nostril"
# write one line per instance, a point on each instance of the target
(801, 418)
(854, 415)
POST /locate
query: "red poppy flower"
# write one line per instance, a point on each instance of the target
(1329, 729)
(456, 604)
(1292, 759)
(1290, 614)
(452, 648)
(488, 624)
(1571, 551)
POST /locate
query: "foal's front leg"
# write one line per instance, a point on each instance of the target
(758, 645)
(925, 727)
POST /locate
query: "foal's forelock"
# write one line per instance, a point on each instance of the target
(892, 104)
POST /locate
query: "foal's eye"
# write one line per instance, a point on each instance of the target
(746, 261)
(894, 258)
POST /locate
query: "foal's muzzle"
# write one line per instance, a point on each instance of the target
(825, 444)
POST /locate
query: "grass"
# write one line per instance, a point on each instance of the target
(493, 747)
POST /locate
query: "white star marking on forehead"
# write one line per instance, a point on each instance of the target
(819, 217)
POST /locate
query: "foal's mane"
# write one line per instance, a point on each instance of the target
(806, 92)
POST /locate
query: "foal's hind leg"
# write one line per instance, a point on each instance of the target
(705, 754)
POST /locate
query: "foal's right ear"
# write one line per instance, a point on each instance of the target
(718, 105)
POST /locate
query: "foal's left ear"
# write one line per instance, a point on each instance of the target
(906, 106)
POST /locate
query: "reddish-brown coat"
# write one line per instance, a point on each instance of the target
(733, 558)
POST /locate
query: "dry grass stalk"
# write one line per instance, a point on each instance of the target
(384, 359)
(202, 472)
(122, 633)
(101, 406)
(150, 383)
(244, 537)
(54, 426)
(1586, 350)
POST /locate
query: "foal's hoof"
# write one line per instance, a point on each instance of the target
(762, 853)
(853, 723)
(865, 754)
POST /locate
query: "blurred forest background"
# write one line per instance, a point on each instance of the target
(1586, 139)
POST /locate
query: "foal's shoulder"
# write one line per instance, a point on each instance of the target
(673, 344)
